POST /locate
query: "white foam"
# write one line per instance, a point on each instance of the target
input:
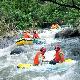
(39, 78)
(49, 55)
(6, 51)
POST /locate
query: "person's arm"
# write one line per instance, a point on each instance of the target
(37, 36)
(40, 59)
(62, 57)
(33, 35)
(29, 35)
(61, 53)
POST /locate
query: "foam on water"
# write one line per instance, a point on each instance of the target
(7, 60)
(48, 68)
(68, 75)
(49, 55)
(49, 33)
(39, 78)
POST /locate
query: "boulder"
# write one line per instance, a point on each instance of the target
(16, 51)
(78, 27)
(66, 33)
(76, 51)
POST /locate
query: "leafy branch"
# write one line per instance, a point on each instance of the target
(73, 5)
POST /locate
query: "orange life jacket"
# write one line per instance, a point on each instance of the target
(26, 35)
(59, 57)
(36, 58)
(54, 26)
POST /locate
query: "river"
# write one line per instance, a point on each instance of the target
(8, 63)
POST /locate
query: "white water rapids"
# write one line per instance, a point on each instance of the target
(8, 63)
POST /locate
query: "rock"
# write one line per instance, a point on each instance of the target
(76, 51)
(66, 33)
(16, 51)
(74, 33)
(78, 27)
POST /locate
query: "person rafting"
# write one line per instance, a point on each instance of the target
(58, 57)
(26, 34)
(35, 35)
(39, 57)
(55, 26)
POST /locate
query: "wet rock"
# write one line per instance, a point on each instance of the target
(16, 51)
(74, 33)
(78, 27)
(67, 33)
(76, 51)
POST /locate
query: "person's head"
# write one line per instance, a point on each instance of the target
(57, 48)
(28, 31)
(43, 50)
(34, 32)
(24, 32)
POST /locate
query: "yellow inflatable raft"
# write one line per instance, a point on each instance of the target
(24, 42)
(27, 66)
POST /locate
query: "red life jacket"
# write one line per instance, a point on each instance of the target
(59, 57)
(35, 35)
(36, 58)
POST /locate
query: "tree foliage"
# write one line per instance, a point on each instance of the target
(67, 3)
(23, 14)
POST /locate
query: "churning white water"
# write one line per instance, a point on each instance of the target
(64, 71)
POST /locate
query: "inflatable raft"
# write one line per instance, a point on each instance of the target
(28, 66)
(24, 42)
(29, 42)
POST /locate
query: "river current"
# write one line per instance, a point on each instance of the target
(8, 63)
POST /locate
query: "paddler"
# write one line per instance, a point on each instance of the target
(35, 35)
(39, 57)
(55, 26)
(59, 56)
(26, 34)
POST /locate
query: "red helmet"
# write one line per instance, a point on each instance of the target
(57, 48)
(43, 49)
